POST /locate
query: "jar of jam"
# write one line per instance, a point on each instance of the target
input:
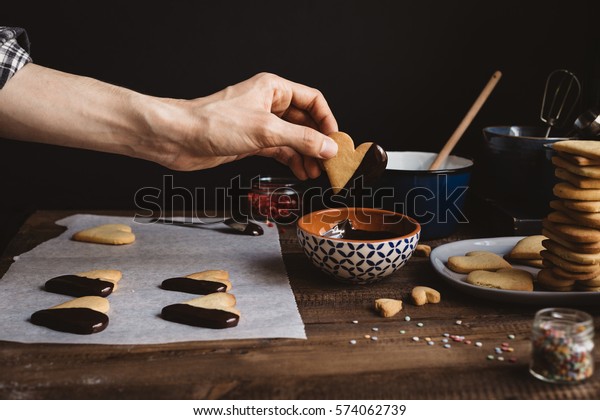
(275, 199)
(562, 341)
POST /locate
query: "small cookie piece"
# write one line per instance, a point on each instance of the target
(477, 260)
(569, 265)
(368, 160)
(579, 160)
(527, 248)
(587, 148)
(585, 171)
(570, 192)
(576, 180)
(504, 279)
(201, 283)
(388, 307)
(422, 250)
(584, 206)
(208, 311)
(548, 281)
(567, 254)
(423, 294)
(109, 234)
(84, 315)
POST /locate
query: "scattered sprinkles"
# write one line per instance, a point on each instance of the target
(444, 340)
(446, 335)
(458, 322)
(490, 357)
(427, 338)
(420, 324)
(367, 336)
(415, 338)
(374, 329)
(355, 321)
(430, 343)
(407, 318)
(511, 336)
(500, 358)
(374, 338)
(353, 342)
(402, 332)
(478, 344)
(447, 346)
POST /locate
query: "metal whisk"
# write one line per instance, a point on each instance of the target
(560, 98)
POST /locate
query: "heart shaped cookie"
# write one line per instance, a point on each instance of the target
(367, 160)
(110, 234)
(505, 279)
(202, 283)
(211, 311)
(84, 315)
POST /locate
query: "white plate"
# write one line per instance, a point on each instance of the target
(501, 246)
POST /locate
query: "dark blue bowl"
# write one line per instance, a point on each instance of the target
(514, 168)
(434, 198)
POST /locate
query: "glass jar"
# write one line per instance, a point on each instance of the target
(562, 342)
(275, 199)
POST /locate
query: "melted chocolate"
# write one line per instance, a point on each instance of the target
(79, 286)
(371, 167)
(71, 320)
(197, 287)
(345, 230)
(199, 317)
(368, 234)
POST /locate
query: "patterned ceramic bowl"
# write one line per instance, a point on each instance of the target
(358, 261)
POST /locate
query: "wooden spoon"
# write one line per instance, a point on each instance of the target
(464, 124)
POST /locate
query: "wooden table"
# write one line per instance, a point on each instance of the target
(325, 366)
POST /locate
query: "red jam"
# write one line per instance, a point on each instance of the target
(276, 199)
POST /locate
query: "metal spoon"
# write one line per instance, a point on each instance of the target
(247, 227)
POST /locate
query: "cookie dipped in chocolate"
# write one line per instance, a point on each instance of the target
(189, 285)
(71, 320)
(200, 317)
(77, 286)
(370, 168)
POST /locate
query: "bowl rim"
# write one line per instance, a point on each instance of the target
(488, 131)
(414, 232)
(462, 169)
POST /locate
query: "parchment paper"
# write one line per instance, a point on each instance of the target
(255, 266)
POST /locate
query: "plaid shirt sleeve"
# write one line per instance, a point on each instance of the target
(14, 52)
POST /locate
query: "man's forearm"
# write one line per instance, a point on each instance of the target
(44, 105)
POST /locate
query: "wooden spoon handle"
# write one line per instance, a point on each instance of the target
(464, 124)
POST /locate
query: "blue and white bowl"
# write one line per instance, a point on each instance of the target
(358, 261)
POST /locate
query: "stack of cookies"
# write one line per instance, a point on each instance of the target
(572, 255)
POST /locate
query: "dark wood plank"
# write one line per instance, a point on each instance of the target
(324, 366)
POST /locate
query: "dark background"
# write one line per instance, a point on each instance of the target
(400, 73)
